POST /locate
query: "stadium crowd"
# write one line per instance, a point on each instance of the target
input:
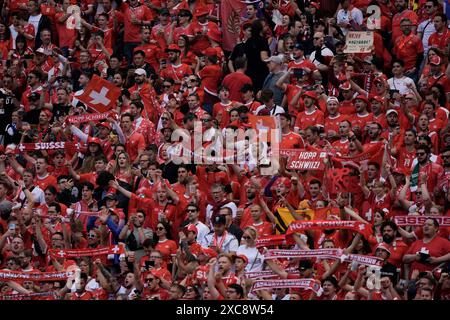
(99, 101)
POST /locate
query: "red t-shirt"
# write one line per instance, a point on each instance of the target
(132, 31)
(436, 247)
(210, 76)
(234, 82)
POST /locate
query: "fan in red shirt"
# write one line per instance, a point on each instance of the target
(200, 28)
(135, 144)
(175, 70)
(210, 74)
(289, 138)
(425, 254)
(235, 81)
(312, 116)
(333, 119)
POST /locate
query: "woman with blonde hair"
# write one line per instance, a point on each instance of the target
(248, 249)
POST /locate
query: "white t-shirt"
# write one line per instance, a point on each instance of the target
(273, 112)
(34, 20)
(203, 230)
(230, 205)
(38, 193)
(255, 258)
(427, 29)
(344, 16)
(400, 84)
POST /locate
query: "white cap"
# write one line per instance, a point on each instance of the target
(140, 72)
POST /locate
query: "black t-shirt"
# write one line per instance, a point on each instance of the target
(256, 68)
(60, 110)
(5, 111)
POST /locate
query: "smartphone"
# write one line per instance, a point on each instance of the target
(12, 226)
(28, 56)
(392, 91)
(298, 73)
(149, 264)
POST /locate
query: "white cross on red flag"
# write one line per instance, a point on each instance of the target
(100, 95)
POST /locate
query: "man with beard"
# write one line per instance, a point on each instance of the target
(436, 75)
(362, 117)
(175, 70)
(374, 132)
(182, 179)
(87, 202)
(312, 116)
(135, 142)
(394, 245)
(402, 13)
(301, 62)
(152, 53)
(409, 48)
(80, 291)
(141, 85)
(220, 240)
(425, 166)
(142, 124)
(332, 120)
(393, 127)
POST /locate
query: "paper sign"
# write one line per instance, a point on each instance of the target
(358, 42)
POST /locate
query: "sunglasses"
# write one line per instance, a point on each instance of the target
(206, 120)
(420, 153)
(160, 228)
(191, 210)
(167, 86)
(149, 280)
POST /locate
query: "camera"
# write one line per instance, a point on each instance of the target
(298, 73)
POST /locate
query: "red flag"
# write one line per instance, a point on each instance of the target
(339, 180)
(263, 123)
(100, 95)
(373, 154)
(231, 17)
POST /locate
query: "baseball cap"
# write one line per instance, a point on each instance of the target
(41, 50)
(277, 59)
(209, 52)
(191, 227)
(332, 98)
(219, 219)
(111, 196)
(299, 46)
(305, 264)
(173, 47)
(94, 140)
(311, 94)
(345, 86)
(215, 35)
(104, 124)
(376, 98)
(361, 97)
(436, 60)
(391, 111)
(383, 247)
(140, 72)
(241, 256)
(315, 5)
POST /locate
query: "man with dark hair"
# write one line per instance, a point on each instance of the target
(135, 142)
(269, 106)
(235, 81)
(425, 166)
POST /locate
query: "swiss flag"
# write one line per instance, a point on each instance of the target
(261, 123)
(100, 95)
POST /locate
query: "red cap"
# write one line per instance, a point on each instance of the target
(173, 47)
(243, 257)
(376, 98)
(105, 125)
(215, 35)
(315, 5)
(201, 11)
(47, 112)
(381, 78)
(285, 181)
(210, 253)
(191, 227)
(311, 94)
(94, 140)
(436, 60)
(384, 247)
(345, 86)
(362, 97)
(210, 52)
